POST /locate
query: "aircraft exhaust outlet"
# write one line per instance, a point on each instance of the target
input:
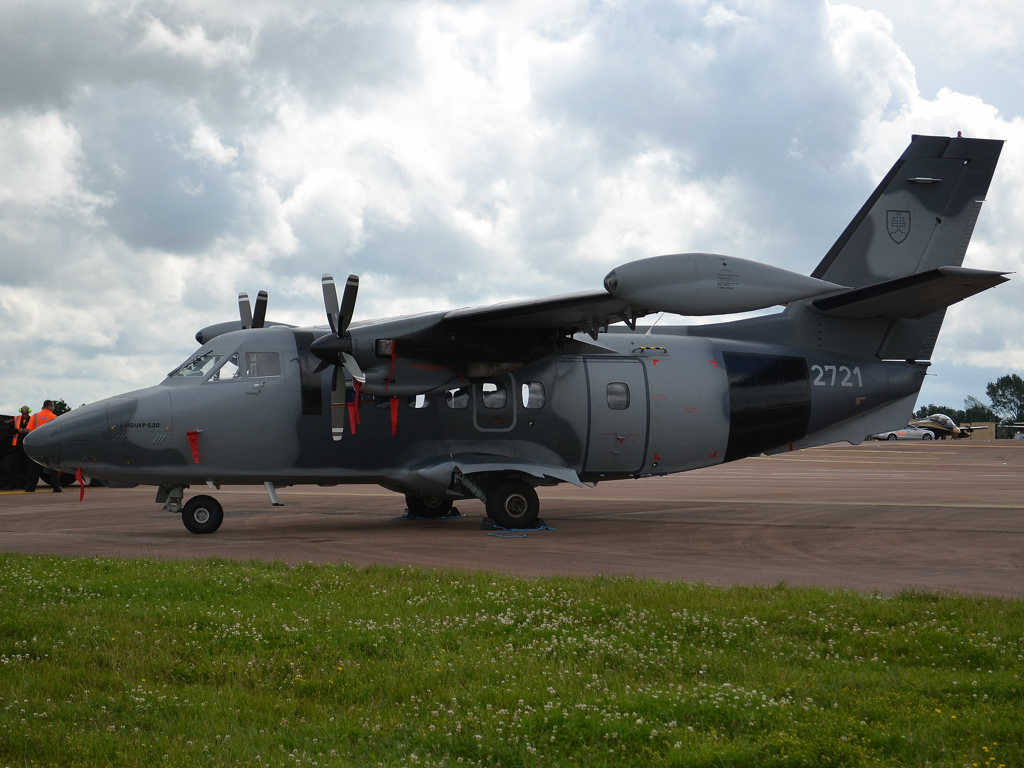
(709, 284)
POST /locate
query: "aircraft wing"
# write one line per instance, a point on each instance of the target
(584, 311)
(913, 296)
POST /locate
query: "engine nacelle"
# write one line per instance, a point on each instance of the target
(709, 284)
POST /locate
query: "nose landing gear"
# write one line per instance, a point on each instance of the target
(202, 514)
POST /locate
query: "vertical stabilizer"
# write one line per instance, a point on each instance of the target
(920, 217)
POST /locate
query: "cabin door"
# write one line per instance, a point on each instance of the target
(618, 416)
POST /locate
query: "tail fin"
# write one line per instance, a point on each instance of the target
(919, 218)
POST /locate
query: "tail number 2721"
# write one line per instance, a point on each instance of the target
(824, 372)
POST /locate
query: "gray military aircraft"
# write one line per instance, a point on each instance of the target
(491, 402)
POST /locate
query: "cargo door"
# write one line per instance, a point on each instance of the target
(618, 416)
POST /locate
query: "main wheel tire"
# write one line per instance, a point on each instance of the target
(513, 504)
(428, 507)
(927, 436)
(202, 514)
(891, 438)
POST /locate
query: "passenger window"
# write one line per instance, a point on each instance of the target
(533, 394)
(618, 396)
(198, 366)
(419, 401)
(229, 371)
(457, 398)
(493, 394)
(260, 364)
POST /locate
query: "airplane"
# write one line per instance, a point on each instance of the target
(943, 427)
(492, 402)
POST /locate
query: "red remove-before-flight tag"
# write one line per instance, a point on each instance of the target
(193, 443)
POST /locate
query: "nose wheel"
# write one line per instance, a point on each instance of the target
(202, 514)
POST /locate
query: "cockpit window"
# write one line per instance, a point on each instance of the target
(260, 364)
(198, 366)
(229, 371)
(943, 419)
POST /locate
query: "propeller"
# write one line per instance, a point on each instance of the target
(244, 310)
(261, 310)
(334, 348)
(245, 313)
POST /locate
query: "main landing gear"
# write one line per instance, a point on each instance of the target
(428, 506)
(513, 504)
(510, 503)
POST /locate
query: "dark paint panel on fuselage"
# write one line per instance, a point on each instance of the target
(769, 402)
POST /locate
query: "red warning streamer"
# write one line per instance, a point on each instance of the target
(394, 416)
(356, 385)
(81, 483)
(193, 443)
(353, 416)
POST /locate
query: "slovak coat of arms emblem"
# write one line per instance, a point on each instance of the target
(898, 224)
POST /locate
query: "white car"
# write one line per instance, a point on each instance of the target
(909, 432)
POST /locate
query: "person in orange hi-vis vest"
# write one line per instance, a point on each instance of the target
(21, 459)
(37, 420)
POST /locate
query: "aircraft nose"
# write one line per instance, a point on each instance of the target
(43, 444)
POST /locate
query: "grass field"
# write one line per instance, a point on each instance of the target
(139, 662)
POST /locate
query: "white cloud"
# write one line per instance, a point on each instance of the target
(205, 144)
(40, 165)
(193, 43)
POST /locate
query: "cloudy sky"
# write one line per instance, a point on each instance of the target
(156, 158)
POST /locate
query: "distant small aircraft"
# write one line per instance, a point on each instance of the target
(491, 402)
(944, 427)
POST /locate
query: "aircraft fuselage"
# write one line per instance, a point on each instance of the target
(647, 405)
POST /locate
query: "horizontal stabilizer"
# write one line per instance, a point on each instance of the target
(913, 296)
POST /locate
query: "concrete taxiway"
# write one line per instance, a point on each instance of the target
(880, 516)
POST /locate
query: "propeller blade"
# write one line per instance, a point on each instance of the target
(353, 367)
(323, 366)
(348, 303)
(261, 310)
(330, 301)
(244, 310)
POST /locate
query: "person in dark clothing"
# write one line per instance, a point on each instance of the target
(20, 425)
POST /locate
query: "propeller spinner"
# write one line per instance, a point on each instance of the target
(334, 349)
